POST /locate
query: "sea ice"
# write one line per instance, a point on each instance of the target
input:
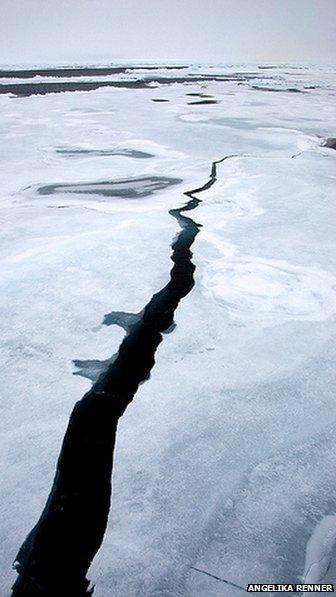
(225, 460)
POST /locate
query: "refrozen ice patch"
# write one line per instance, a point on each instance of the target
(270, 292)
(128, 188)
(83, 151)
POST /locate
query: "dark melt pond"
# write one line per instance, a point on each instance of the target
(277, 89)
(203, 102)
(128, 188)
(131, 153)
(204, 95)
(331, 143)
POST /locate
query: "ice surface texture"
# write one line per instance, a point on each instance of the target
(225, 462)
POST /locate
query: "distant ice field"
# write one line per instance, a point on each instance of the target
(225, 462)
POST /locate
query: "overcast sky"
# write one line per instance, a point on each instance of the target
(39, 31)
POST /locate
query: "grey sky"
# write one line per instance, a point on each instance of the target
(204, 30)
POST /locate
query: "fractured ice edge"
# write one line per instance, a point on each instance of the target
(57, 553)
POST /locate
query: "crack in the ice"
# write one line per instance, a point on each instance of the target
(56, 555)
(93, 368)
(224, 580)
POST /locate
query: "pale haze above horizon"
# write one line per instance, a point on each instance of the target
(45, 31)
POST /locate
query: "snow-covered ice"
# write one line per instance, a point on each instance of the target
(225, 460)
(320, 565)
